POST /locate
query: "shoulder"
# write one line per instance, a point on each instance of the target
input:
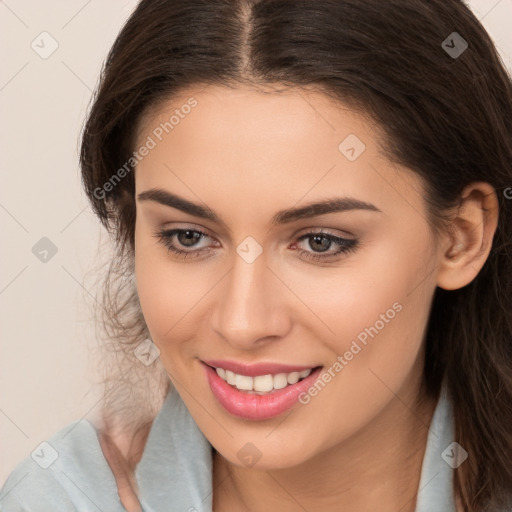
(176, 466)
(68, 472)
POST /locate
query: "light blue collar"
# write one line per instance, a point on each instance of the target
(175, 472)
(442, 456)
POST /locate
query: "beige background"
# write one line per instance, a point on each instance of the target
(46, 373)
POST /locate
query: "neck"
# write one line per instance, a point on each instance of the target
(379, 468)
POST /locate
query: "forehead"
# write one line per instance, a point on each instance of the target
(240, 144)
(248, 114)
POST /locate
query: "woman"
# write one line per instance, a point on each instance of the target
(311, 209)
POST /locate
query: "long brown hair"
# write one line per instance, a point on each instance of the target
(445, 115)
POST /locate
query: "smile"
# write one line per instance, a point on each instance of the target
(271, 390)
(261, 384)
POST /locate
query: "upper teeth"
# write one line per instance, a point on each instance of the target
(261, 383)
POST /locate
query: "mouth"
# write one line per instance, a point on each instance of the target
(250, 393)
(261, 384)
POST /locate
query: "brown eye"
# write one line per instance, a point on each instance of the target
(321, 242)
(188, 238)
(185, 238)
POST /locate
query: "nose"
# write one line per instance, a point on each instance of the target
(251, 305)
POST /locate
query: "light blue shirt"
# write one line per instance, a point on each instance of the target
(175, 471)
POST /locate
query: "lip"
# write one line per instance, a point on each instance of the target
(253, 370)
(258, 407)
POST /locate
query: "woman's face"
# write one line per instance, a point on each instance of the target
(254, 295)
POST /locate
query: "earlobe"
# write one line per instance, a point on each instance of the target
(468, 240)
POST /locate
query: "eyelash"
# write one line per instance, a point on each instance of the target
(345, 245)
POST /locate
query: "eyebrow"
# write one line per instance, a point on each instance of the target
(333, 205)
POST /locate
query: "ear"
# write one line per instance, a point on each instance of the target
(468, 240)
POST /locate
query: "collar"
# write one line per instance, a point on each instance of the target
(176, 466)
(442, 456)
(175, 471)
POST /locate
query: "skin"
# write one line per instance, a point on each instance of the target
(246, 155)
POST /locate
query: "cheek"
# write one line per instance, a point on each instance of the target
(171, 296)
(378, 314)
(161, 294)
(374, 307)
(363, 308)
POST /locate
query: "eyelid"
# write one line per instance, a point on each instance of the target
(327, 231)
(298, 234)
(345, 245)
